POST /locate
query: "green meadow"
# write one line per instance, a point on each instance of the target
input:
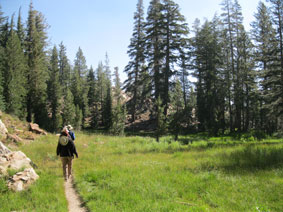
(138, 174)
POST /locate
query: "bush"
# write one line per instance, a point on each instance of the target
(247, 137)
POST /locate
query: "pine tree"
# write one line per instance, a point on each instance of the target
(107, 109)
(2, 18)
(15, 79)
(166, 38)
(92, 98)
(92, 87)
(176, 31)
(79, 85)
(276, 7)
(77, 91)
(135, 69)
(118, 119)
(64, 69)
(37, 68)
(54, 92)
(78, 118)
(119, 110)
(76, 88)
(2, 58)
(80, 64)
(178, 109)
(69, 110)
(265, 55)
(183, 74)
(207, 64)
(161, 124)
(21, 30)
(106, 68)
(117, 86)
(101, 91)
(232, 22)
(104, 94)
(249, 96)
(154, 39)
(189, 113)
(4, 32)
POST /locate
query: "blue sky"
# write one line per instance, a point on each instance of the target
(100, 26)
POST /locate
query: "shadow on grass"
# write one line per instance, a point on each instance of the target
(141, 133)
(253, 158)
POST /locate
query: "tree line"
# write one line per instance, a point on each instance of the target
(41, 85)
(237, 75)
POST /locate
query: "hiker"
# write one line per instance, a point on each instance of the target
(66, 149)
(71, 133)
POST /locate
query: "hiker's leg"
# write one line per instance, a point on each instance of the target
(70, 161)
(64, 163)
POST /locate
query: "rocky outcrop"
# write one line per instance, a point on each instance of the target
(15, 161)
(3, 130)
(35, 128)
(14, 138)
(4, 149)
(22, 180)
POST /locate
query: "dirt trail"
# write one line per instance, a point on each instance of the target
(74, 202)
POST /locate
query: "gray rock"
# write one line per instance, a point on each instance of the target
(22, 180)
(14, 160)
(4, 149)
(3, 130)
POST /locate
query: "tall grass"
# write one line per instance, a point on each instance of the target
(256, 157)
(139, 174)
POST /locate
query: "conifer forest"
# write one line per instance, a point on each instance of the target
(213, 76)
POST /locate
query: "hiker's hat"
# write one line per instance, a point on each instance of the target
(69, 127)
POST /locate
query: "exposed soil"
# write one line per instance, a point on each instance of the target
(74, 201)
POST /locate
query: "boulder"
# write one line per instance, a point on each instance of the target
(3, 130)
(14, 160)
(22, 180)
(4, 149)
(14, 138)
(35, 128)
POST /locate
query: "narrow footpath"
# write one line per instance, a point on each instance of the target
(74, 202)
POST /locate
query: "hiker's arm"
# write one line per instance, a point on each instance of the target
(58, 149)
(75, 150)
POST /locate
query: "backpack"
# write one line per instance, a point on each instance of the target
(63, 140)
(72, 135)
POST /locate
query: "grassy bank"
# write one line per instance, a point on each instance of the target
(47, 193)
